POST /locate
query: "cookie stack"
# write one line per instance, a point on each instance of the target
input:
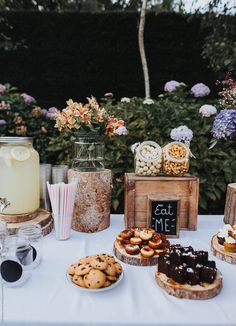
(94, 272)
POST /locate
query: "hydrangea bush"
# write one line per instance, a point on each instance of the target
(21, 116)
(144, 122)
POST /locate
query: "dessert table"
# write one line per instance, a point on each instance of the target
(49, 299)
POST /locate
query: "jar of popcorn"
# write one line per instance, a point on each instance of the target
(175, 159)
(148, 158)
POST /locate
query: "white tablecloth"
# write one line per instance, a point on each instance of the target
(48, 298)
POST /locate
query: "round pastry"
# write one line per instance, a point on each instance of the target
(94, 279)
(135, 241)
(155, 245)
(147, 252)
(99, 263)
(132, 249)
(126, 234)
(118, 238)
(222, 235)
(83, 269)
(230, 244)
(145, 235)
(156, 237)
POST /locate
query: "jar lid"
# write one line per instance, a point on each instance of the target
(143, 151)
(16, 140)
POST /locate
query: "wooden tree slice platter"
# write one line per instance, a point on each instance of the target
(17, 218)
(219, 252)
(137, 260)
(42, 218)
(186, 291)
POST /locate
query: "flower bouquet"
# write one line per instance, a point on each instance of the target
(88, 123)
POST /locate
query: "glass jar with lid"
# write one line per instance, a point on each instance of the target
(33, 233)
(148, 158)
(19, 174)
(16, 261)
(176, 159)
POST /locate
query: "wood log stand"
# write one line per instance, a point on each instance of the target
(195, 292)
(219, 252)
(136, 260)
(230, 205)
(41, 217)
(92, 203)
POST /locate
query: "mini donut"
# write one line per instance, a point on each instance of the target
(159, 251)
(126, 234)
(155, 245)
(118, 238)
(156, 237)
(136, 232)
(145, 235)
(135, 241)
(125, 241)
(132, 249)
(147, 252)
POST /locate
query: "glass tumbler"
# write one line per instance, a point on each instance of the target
(33, 233)
(17, 256)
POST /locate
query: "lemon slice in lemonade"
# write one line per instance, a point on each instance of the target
(20, 153)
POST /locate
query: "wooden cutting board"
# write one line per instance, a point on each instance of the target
(186, 291)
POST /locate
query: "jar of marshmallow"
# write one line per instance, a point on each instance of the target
(148, 158)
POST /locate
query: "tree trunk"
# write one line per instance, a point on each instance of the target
(142, 49)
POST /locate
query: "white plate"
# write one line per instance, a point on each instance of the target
(96, 290)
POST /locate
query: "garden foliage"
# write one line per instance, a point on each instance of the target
(153, 121)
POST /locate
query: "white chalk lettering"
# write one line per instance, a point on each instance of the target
(163, 211)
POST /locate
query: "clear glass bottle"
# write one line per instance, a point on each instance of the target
(17, 256)
(175, 159)
(19, 174)
(33, 233)
(89, 155)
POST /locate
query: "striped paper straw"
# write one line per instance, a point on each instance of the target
(62, 197)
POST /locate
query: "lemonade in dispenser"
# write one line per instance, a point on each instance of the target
(19, 175)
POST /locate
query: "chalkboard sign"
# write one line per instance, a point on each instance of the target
(164, 216)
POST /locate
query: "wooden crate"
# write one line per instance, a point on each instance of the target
(138, 190)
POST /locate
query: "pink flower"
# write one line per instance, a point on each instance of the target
(121, 131)
(4, 105)
(28, 98)
(2, 88)
(108, 94)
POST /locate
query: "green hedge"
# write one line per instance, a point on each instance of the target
(74, 55)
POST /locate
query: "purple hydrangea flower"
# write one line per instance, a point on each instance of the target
(182, 133)
(2, 122)
(224, 125)
(171, 86)
(53, 110)
(2, 88)
(108, 94)
(44, 112)
(200, 90)
(52, 113)
(28, 98)
(207, 110)
(121, 131)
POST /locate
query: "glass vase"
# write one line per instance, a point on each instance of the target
(89, 155)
